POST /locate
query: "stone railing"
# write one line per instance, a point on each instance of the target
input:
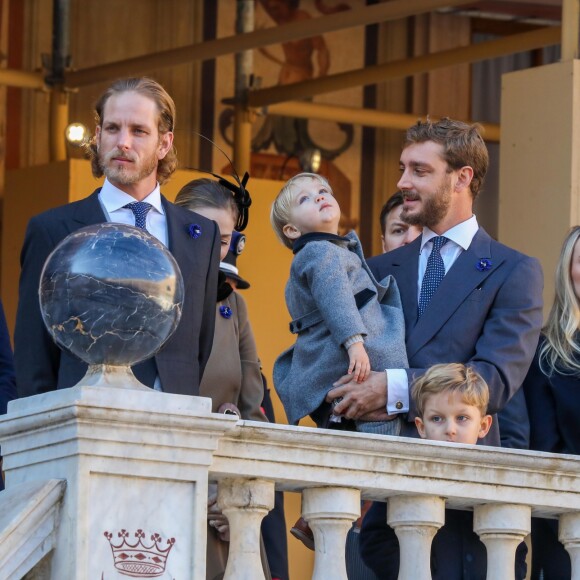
(105, 482)
(419, 478)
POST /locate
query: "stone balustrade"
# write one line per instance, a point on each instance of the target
(419, 479)
(102, 482)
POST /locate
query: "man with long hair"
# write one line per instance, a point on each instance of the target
(133, 149)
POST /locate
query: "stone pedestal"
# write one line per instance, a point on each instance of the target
(136, 469)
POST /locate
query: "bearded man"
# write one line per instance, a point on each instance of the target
(133, 149)
(466, 298)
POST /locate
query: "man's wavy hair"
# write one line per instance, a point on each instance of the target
(462, 145)
(165, 107)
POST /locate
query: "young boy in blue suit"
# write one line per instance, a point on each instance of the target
(451, 401)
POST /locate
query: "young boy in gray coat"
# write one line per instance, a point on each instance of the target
(343, 318)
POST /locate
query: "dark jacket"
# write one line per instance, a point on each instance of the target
(554, 408)
(41, 366)
(488, 317)
(7, 379)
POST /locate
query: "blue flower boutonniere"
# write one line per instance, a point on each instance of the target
(194, 231)
(226, 311)
(483, 264)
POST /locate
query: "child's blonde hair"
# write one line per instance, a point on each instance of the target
(455, 378)
(280, 214)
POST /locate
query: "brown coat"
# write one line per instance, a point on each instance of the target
(232, 373)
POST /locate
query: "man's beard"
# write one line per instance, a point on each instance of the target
(127, 175)
(435, 207)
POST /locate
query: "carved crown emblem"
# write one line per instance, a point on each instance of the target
(139, 559)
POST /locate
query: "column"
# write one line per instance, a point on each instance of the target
(501, 527)
(569, 535)
(415, 520)
(330, 512)
(245, 502)
(539, 152)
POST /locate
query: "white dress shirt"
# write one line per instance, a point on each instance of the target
(460, 238)
(112, 200)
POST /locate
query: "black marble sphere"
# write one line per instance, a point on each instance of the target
(111, 294)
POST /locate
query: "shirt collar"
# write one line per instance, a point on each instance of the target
(462, 234)
(113, 198)
(300, 242)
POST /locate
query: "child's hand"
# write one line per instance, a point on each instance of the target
(359, 363)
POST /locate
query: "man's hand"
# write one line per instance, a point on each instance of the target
(366, 400)
(359, 364)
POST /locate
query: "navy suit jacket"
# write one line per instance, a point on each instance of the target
(488, 319)
(41, 366)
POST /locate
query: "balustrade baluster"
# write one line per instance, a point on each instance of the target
(501, 527)
(569, 535)
(245, 502)
(330, 512)
(415, 520)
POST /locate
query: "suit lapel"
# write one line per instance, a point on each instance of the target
(405, 269)
(461, 280)
(88, 212)
(181, 245)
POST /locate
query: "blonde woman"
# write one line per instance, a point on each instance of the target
(552, 390)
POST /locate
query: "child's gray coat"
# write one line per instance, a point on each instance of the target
(325, 276)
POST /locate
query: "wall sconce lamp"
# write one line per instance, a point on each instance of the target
(77, 135)
(310, 160)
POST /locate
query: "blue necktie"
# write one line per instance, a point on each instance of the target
(140, 209)
(434, 273)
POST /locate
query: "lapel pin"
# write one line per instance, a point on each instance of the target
(194, 231)
(483, 264)
(226, 311)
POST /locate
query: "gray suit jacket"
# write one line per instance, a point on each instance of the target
(41, 366)
(488, 319)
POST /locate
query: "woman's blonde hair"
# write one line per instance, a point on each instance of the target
(560, 350)
(452, 378)
(280, 214)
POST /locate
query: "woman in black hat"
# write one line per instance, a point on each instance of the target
(233, 382)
